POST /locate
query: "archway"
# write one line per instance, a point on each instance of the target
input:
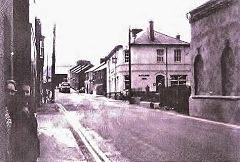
(198, 74)
(228, 69)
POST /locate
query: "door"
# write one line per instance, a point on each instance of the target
(160, 82)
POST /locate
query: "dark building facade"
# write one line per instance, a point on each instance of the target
(38, 61)
(100, 80)
(77, 75)
(17, 51)
(21, 41)
(6, 48)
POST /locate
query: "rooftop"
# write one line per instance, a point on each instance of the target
(159, 38)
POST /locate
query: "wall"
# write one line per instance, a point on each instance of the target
(22, 41)
(6, 47)
(209, 44)
(218, 108)
(209, 40)
(144, 65)
(144, 62)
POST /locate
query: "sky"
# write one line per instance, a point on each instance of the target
(90, 29)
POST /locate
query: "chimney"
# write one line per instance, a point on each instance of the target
(151, 31)
(178, 36)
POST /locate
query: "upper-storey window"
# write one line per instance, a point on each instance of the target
(177, 55)
(160, 53)
(126, 56)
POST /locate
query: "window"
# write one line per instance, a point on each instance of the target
(177, 55)
(126, 56)
(177, 80)
(114, 60)
(126, 81)
(160, 53)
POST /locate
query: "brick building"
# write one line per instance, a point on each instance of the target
(16, 50)
(6, 47)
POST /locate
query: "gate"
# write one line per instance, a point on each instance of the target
(176, 97)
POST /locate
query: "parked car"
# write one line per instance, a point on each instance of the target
(65, 87)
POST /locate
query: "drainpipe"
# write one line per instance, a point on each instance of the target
(12, 54)
(166, 67)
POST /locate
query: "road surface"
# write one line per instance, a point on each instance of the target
(132, 133)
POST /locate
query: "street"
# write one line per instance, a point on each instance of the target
(56, 140)
(126, 132)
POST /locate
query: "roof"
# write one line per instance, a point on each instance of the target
(91, 69)
(207, 9)
(159, 38)
(101, 67)
(116, 48)
(80, 68)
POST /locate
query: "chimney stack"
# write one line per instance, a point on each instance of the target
(151, 31)
(178, 36)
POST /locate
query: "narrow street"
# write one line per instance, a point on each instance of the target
(126, 132)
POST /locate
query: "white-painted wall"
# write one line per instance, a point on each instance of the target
(145, 65)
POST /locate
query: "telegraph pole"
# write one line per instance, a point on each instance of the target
(129, 64)
(134, 33)
(53, 64)
(47, 70)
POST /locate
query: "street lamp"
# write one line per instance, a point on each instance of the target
(134, 34)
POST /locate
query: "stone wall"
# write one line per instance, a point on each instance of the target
(217, 108)
(215, 38)
(215, 47)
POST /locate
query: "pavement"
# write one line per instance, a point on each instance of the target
(57, 142)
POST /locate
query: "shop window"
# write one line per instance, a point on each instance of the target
(178, 80)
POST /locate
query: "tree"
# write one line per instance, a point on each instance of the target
(83, 62)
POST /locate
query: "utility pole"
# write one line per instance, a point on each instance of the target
(166, 98)
(134, 33)
(53, 64)
(47, 70)
(129, 65)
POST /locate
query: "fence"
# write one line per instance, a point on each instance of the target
(173, 97)
(176, 97)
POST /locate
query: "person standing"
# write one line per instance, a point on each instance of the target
(9, 109)
(24, 135)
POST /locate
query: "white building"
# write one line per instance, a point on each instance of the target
(156, 59)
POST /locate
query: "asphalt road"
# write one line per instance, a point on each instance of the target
(140, 134)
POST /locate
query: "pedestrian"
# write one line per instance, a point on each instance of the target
(24, 133)
(147, 89)
(45, 95)
(9, 109)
